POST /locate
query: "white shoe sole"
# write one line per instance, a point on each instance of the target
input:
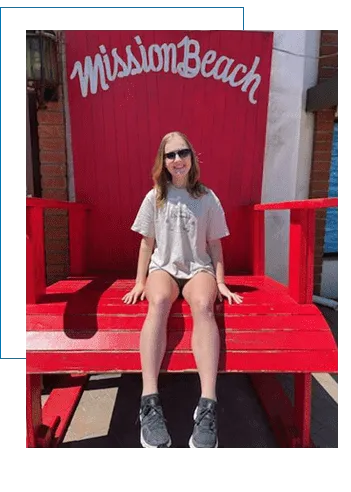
(146, 445)
(191, 443)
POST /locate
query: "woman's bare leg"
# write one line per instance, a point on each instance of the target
(200, 293)
(161, 291)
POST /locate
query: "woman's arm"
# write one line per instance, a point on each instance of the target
(145, 252)
(216, 253)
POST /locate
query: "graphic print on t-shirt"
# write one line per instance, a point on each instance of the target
(180, 218)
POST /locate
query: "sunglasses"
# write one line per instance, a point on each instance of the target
(183, 153)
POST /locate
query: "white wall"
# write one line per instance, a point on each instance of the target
(329, 285)
(289, 138)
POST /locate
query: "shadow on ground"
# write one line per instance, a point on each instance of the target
(242, 422)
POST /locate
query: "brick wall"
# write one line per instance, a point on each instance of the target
(323, 139)
(53, 171)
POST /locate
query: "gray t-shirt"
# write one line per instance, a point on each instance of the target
(182, 229)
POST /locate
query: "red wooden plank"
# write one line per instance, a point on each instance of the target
(247, 284)
(202, 92)
(301, 255)
(258, 128)
(312, 203)
(259, 155)
(117, 292)
(115, 341)
(37, 322)
(252, 295)
(47, 203)
(302, 406)
(246, 361)
(35, 254)
(33, 408)
(91, 300)
(113, 282)
(311, 226)
(114, 297)
(179, 307)
(61, 405)
(77, 240)
(71, 285)
(258, 243)
(297, 255)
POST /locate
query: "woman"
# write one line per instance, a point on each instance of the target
(185, 221)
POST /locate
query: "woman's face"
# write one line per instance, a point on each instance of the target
(177, 159)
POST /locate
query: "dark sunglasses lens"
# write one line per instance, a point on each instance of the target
(171, 155)
(184, 153)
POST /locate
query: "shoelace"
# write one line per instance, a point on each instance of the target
(155, 416)
(209, 421)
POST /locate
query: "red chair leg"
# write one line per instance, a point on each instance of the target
(302, 408)
(290, 423)
(33, 407)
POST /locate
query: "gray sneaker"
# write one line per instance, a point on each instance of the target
(153, 432)
(205, 428)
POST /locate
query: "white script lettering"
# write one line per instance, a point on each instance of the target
(183, 59)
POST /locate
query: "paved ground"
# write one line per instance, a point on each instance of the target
(108, 409)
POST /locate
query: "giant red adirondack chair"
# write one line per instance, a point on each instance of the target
(126, 90)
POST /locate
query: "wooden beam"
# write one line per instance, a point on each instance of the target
(323, 95)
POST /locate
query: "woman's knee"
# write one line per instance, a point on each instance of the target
(160, 302)
(202, 306)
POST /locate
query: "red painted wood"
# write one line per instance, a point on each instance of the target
(33, 408)
(230, 361)
(59, 408)
(46, 203)
(179, 307)
(116, 341)
(280, 411)
(116, 133)
(312, 203)
(103, 296)
(103, 281)
(258, 243)
(77, 240)
(39, 322)
(302, 406)
(35, 249)
(298, 255)
(35, 255)
(114, 297)
(269, 332)
(301, 255)
(311, 225)
(75, 284)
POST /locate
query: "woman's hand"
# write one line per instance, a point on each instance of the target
(231, 296)
(137, 291)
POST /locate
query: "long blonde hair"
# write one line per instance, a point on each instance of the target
(161, 176)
